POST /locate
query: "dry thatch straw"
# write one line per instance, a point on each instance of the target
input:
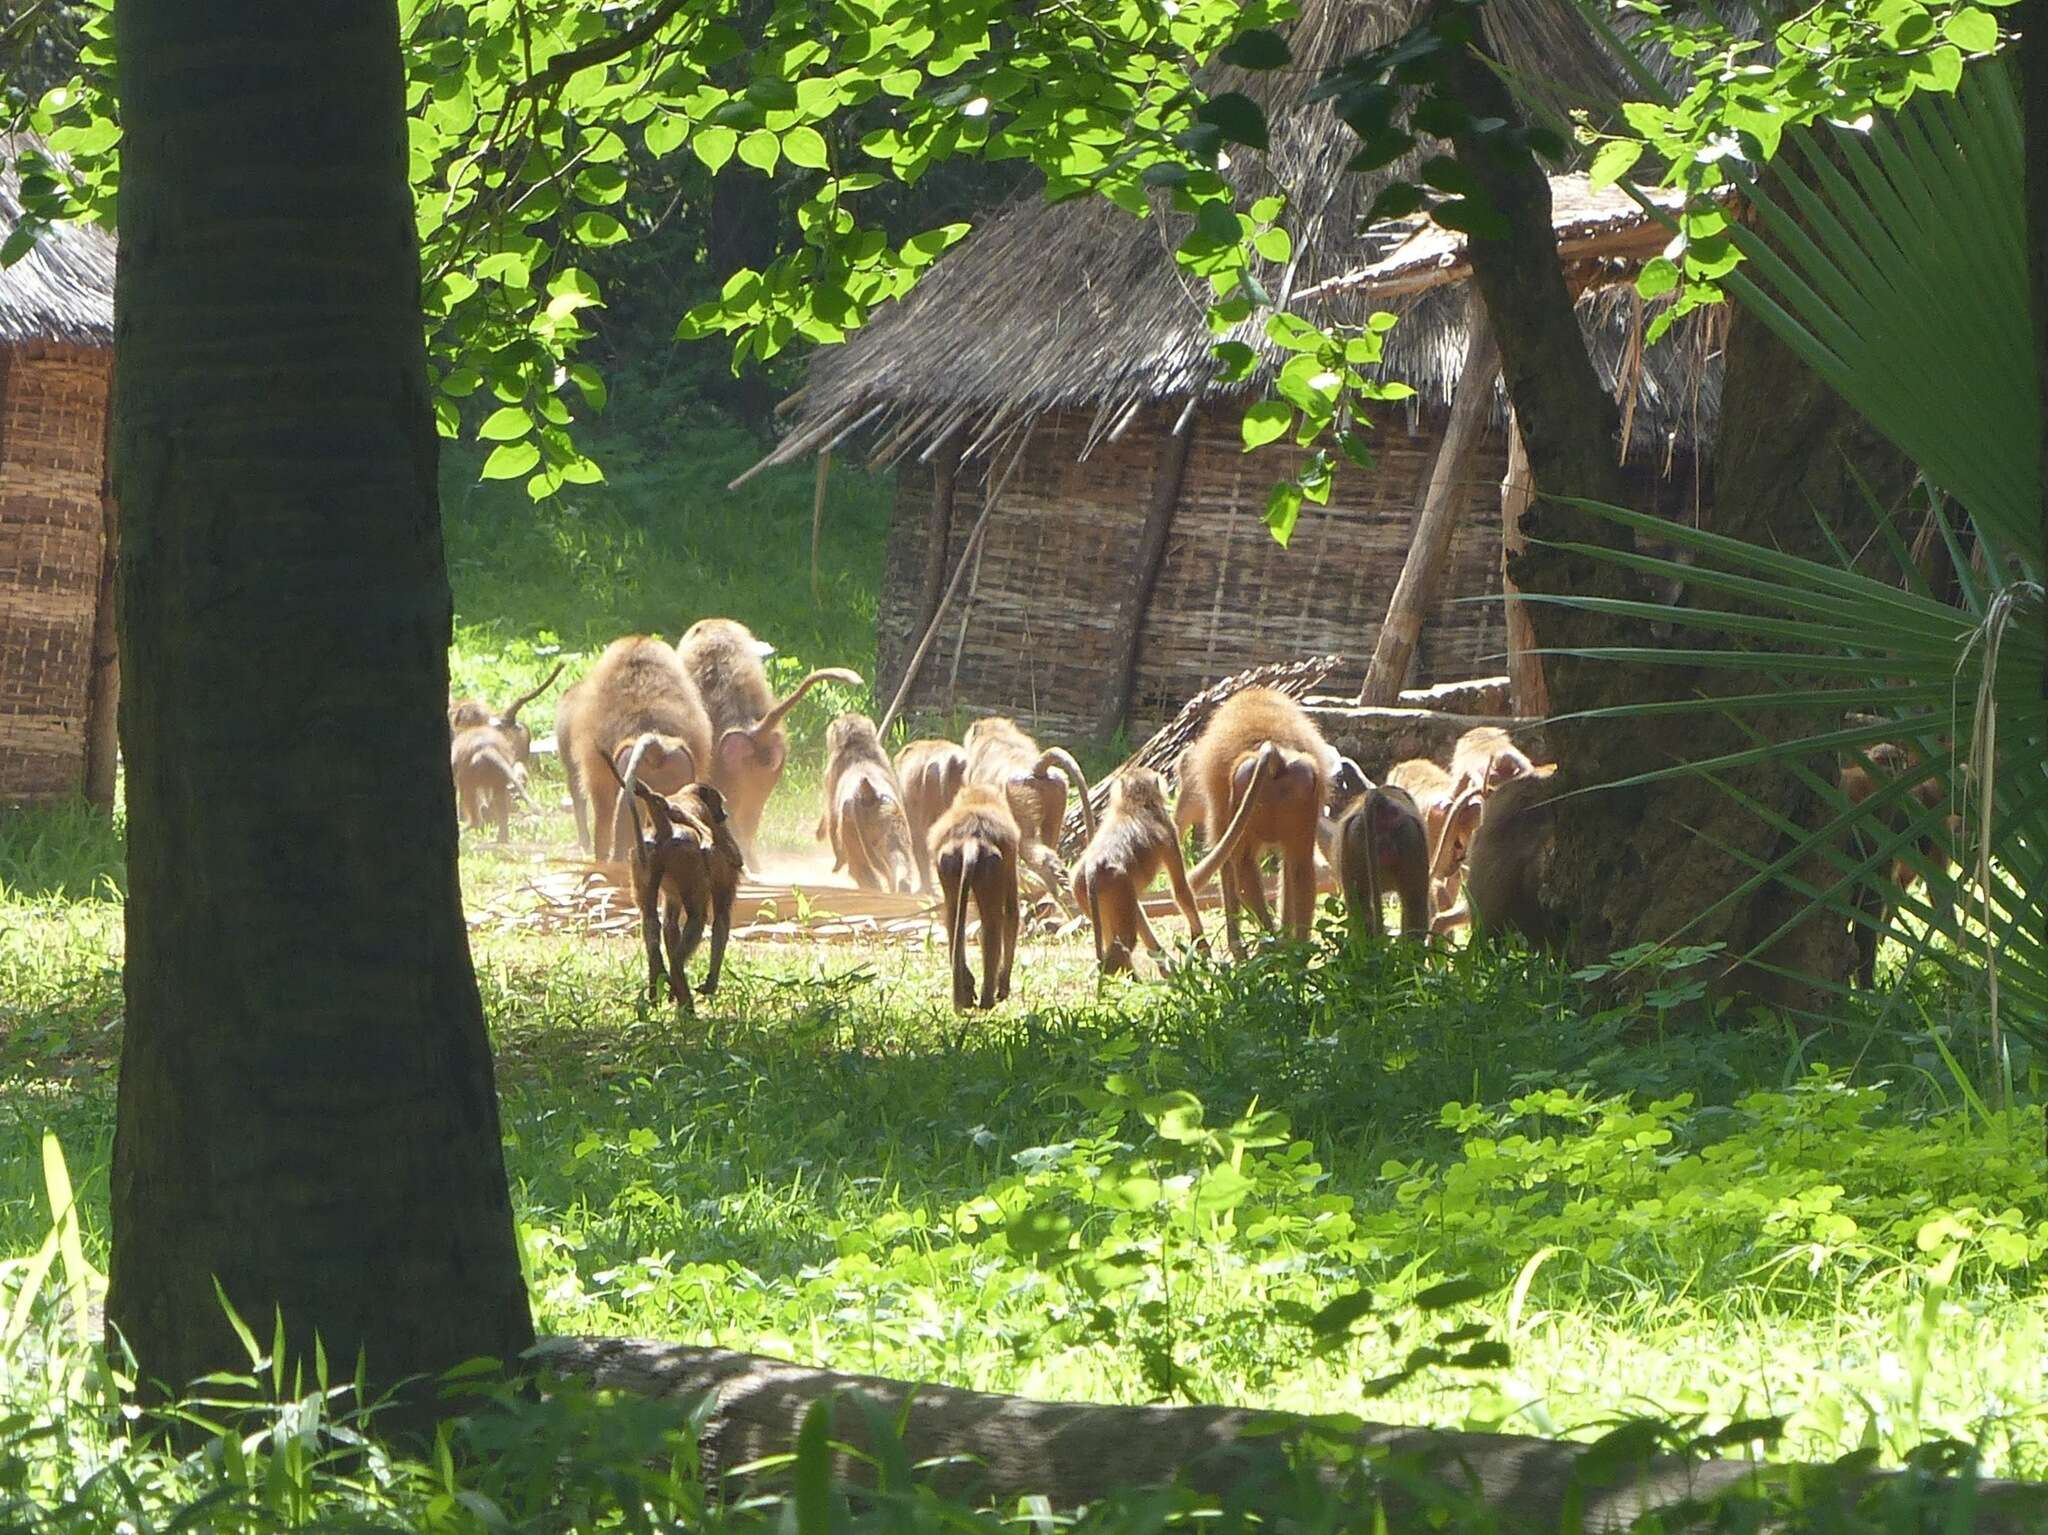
(1297, 679)
(63, 289)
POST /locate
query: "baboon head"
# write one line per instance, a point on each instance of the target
(1347, 782)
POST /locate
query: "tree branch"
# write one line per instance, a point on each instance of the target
(603, 51)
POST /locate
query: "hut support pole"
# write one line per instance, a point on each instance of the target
(1393, 657)
(967, 558)
(1143, 580)
(938, 528)
(103, 696)
(1528, 694)
(818, 517)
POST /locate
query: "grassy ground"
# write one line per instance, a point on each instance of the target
(1148, 1191)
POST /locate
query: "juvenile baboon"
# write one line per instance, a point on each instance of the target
(1135, 840)
(487, 753)
(637, 695)
(864, 818)
(974, 846)
(931, 773)
(1282, 793)
(1483, 760)
(686, 868)
(1001, 757)
(1880, 898)
(487, 778)
(749, 747)
(1381, 845)
(1429, 785)
(1510, 854)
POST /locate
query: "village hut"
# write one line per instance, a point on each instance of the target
(58, 677)
(1059, 362)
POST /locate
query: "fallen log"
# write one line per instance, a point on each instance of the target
(996, 1449)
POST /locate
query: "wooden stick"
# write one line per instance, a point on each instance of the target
(1393, 656)
(1143, 580)
(931, 630)
(818, 517)
(1528, 693)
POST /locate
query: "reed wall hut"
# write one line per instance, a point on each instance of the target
(58, 677)
(1059, 360)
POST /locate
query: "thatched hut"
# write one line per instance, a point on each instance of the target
(57, 670)
(1127, 563)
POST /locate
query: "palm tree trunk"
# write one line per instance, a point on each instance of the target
(306, 1111)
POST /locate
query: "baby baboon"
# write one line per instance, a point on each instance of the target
(745, 719)
(974, 846)
(488, 754)
(1879, 898)
(1509, 856)
(931, 773)
(1001, 757)
(1135, 840)
(1381, 845)
(487, 777)
(864, 817)
(1281, 793)
(637, 695)
(685, 869)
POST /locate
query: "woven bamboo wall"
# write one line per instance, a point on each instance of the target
(53, 408)
(1041, 633)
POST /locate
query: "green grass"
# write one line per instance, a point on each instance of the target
(1143, 1191)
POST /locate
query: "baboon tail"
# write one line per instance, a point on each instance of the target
(1226, 845)
(1054, 757)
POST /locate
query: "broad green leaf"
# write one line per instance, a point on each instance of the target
(761, 149)
(1237, 117)
(507, 424)
(1617, 157)
(510, 460)
(1972, 30)
(713, 145)
(597, 229)
(1658, 277)
(805, 146)
(665, 133)
(1257, 49)
(1265, 422)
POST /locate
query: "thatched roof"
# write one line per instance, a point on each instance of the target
(1079, 306)
(63, 289)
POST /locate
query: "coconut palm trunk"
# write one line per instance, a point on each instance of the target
(307, 1112)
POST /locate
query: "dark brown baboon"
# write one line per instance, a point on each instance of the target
(1509, 856)
(1282, 793)
(1429, 785)
(974, 847)
(1001, 757)
(638, 689)
(1381, 845)
(1135, 840)
(748, 744)
(686, 869)
(1879, 898)
(931, 773)
(1483, 761)
(488, 753)
(864, 816)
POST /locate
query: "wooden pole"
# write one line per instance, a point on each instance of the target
(1143, 578)
(1393, 657)
(967, 555)
(938, 527)
(1528, 693)
(103, 689)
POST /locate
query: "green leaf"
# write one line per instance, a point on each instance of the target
(1237, 117)
(1617, 157)
(510, 460)
(814, 1470)
(1658, 277)
(1259, 48)
(665, 132)
(1283, 510)
(507, 424)
(598, 229)
(761, 149)
(1275, 244)
(1265, 422)
(805, 146)
(713, 145)
(586, 378)
(1972, 30)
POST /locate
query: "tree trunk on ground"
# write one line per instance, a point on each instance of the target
(306, 1108)
(1647, 864)
(1000, 1448)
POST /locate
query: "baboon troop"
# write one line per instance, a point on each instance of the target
(671, 753)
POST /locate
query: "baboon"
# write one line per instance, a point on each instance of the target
(749, 747)
(864, 817)
(1509, 856)
(487, 778)
(1000, 756)
(1879, 898)
(637, 695)
(974, 846)
(931, 773)
(1482, 762)
(1429, 785)
(687, 869)
(1381, 845)
(1282, 793)
(1135, 840)
(487, 753)
(1485, 758)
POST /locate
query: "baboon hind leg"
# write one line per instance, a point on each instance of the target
(1298, 893)
(721, 929)
(956, 934)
